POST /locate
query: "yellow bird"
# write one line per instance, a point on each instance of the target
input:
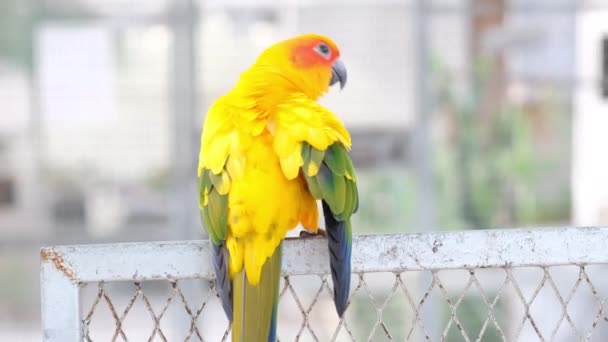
(268, 152)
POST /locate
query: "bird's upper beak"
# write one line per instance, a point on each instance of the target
(338, 73)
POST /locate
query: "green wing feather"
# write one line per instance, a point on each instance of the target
(313, 186)
(330, 176)
(336, 160)
(213, 205)
(214, 213)
(312, 160)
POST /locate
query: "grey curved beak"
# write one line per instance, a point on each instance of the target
(338, 74)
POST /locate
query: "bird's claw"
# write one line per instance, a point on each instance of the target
(305, 234)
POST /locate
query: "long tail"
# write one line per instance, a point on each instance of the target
(339, 240)
(255, 307)
(222, 281)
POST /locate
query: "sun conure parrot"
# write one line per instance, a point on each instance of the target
(268, 152)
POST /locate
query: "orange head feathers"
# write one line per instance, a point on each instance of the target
(307, 63)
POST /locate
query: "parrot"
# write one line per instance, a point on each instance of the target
(269, 152)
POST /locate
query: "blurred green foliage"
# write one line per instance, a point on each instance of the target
(17, 286)
(491, 171)
(17, 20)
(472, 313)
(387, 199)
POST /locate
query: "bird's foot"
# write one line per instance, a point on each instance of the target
(305, 234)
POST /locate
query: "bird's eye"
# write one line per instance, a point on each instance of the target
(323, 50)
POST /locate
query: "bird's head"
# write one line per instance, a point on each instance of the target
(308, 63)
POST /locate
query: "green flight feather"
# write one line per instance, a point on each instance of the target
(208, 194)
(255, 307)
(221, 182)
(313, 164)
(306, 150)
(205, 181)
(218, 215)
(351, 198)
(214, 213)
(208, 225)
(335, 158)
(339, 194)
(354, 197)
(331, 178)
(313, 187)
(350, 169)
(333, 189)
(326, 183)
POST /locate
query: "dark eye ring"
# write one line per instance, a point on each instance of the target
(323, 50)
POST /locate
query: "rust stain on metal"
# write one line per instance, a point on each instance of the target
(50, 255)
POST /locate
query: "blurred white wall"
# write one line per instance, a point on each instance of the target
(101, 104)
(590, 139)
(23, 216)
(377, 43)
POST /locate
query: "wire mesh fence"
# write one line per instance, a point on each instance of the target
(513, 311)
(513, 285)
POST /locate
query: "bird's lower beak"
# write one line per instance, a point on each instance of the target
(338, 73)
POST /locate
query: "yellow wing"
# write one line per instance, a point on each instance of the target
(228, 130)
(247, 203)
(310, 138)
(302, 121)
(227, 134)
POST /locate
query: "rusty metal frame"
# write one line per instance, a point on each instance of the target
(65, 268)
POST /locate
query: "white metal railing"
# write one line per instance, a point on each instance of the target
(531, 284)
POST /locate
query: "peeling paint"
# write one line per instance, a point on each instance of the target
(50, 255)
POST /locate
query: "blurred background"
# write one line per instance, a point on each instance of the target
(465, 114)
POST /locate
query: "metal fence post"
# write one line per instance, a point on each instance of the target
(60, 299)
(426, 219)
(184, 110)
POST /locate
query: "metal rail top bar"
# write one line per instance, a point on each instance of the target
(371, 253)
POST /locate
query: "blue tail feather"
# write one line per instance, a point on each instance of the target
(223, 286)
(339, 240)
(272, 333)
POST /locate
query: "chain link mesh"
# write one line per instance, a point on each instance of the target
(558, 303)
